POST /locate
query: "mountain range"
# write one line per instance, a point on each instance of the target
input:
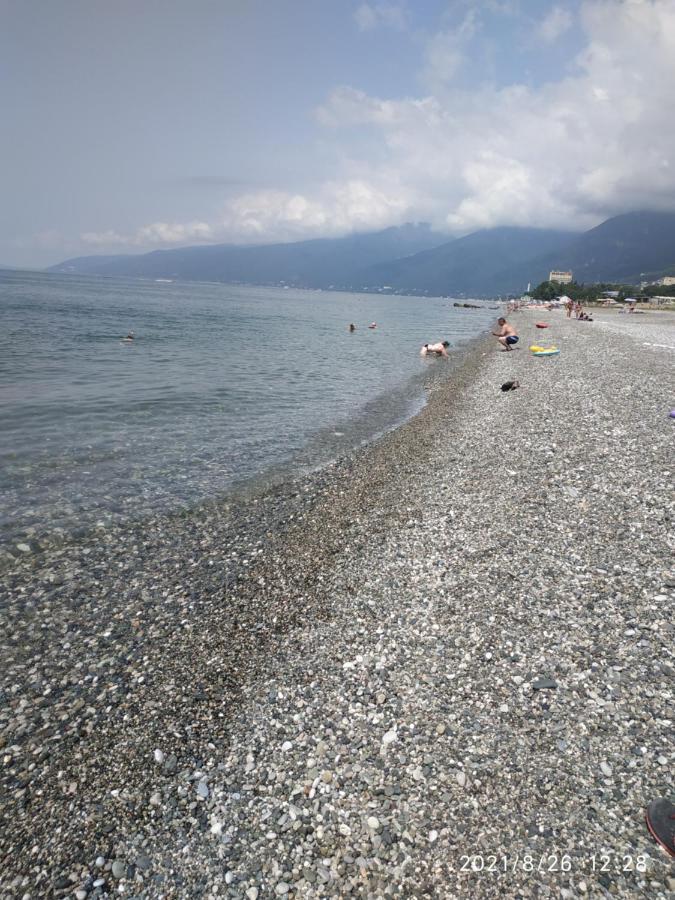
(323, 262)
(414, 258)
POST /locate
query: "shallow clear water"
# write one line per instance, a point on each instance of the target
(221, 385)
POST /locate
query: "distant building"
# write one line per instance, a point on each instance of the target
(561, 277)
(659, 300)
(668, 280)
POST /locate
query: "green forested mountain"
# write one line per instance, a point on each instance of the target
(321, 263)
(414, 258)
(476, 264)
(625, 249)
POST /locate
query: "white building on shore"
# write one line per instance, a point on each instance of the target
(560, 277)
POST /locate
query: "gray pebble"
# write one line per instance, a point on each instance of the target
(118, 869)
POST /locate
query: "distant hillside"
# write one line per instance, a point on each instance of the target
(624, 249)
(473, 264)
(413, 258)
(317, 263)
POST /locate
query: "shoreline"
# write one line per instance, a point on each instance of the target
(214, 654)
(61, 524)
(278, 482)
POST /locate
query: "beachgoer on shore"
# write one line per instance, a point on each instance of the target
(568, 308)
(510, 386)
(507, 334)
(438, 349)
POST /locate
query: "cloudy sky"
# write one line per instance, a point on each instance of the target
(131, 125)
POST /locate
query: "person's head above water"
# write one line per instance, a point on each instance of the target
(501, 321)
(446, 343)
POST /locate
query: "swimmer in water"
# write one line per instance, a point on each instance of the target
(352, 326)
(373, 325)
(129, 338)
(438, 349)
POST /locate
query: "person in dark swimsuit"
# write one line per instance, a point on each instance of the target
(507, 334)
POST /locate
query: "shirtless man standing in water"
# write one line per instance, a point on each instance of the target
(506, 334)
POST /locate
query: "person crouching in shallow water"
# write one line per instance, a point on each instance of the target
(506, 334)
(439, 349)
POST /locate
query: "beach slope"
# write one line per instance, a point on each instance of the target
(441, 668)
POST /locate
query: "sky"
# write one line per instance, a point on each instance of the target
(134, 125)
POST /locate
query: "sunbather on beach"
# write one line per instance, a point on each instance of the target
(438, 349)
(507, 334)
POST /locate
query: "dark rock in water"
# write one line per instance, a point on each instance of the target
(542, 684)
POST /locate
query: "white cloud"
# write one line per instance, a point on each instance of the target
(274, 215)
(335, 209)
(554, 25)
(159, 233)
(566, 153)
(371, 15)
(446, 50)
(108, 238)
(348, 107)
(165, 233)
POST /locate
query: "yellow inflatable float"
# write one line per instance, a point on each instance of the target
(543, 351)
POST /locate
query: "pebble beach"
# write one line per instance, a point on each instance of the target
(441, 667)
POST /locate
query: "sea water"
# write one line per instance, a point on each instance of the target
(221, 386)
